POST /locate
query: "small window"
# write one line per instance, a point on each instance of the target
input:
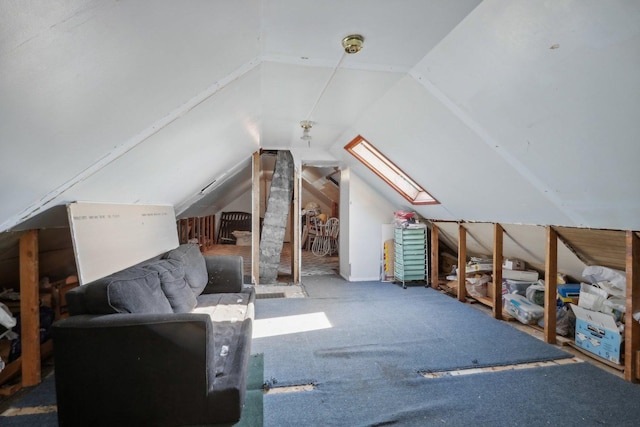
(362, 150)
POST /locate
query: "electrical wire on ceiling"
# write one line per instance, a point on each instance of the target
(351, 44)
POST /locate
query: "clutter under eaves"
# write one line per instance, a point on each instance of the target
(515, 277)
(600, 313)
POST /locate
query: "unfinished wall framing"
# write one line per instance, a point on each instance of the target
(549, 250)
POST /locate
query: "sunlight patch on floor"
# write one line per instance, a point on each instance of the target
(290, 324)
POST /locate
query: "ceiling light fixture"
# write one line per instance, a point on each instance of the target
(306, 126)
(351, 44)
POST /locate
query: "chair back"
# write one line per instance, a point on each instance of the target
(333, 227)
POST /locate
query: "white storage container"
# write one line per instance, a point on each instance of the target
(522, 309)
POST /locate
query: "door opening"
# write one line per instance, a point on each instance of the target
(320, 220)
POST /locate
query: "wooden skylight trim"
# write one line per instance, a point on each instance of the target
(379, 164)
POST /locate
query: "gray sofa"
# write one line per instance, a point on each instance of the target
(163, 343)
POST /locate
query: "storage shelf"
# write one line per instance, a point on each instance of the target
(410, 254)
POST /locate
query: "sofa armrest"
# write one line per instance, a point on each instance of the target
(106, 362)
(225, 274)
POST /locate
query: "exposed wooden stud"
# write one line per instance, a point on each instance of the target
(551, 286)
(435, 257)
(29, 309)
(296, 242)
(213, 229)
(632, 328)
(255, 219)
(199, 228)
(462, 263)
(498, 238)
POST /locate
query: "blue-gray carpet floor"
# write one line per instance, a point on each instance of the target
(365, 363)
(364, 347)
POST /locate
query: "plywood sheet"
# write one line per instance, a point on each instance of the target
(596, 247)
(110, 237)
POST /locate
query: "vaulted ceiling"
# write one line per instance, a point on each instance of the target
(504, 110)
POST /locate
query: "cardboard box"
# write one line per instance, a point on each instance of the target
(477, 268)
(513, 264)
(597, 333)
(521, 275)
(389, 259)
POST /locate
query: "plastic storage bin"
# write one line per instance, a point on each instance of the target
(522, 309)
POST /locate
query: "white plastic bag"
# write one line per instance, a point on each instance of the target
(597, 273)
(615, 306)
(477, 286)
(535, 292)
(564, 322)
(591, 298)
(6, 319)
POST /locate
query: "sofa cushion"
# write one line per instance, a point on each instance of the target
(195, 270)
(174, 285)
(134, 290)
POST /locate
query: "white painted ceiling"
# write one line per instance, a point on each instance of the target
(508, 111)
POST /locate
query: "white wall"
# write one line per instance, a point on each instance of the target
(363, 211)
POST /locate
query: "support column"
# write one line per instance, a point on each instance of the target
(462, 263)
(435, 259)
(255, 219)
(29, 309)
(296, 246)
(498, 234)
(632, 328)
(551, 286)
(276, 217)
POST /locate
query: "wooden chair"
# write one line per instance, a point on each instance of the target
(58, 296)
(333, 230)
(321, 245)
(230, 222)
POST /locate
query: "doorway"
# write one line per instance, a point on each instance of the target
(320, 220)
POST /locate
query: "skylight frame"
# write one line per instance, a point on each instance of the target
(389, 172)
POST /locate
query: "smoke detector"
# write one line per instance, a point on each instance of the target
(353, 43)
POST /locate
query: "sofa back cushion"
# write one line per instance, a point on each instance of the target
(195, 270)
(174, 284)
(134, 290)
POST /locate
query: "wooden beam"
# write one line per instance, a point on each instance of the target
(551, 286)
(255, 219)
(498, 236)
(632, 328)
(296, 245)
(435, 257)
(462, 263)
(29, 309)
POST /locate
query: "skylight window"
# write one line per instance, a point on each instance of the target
(369, 155)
